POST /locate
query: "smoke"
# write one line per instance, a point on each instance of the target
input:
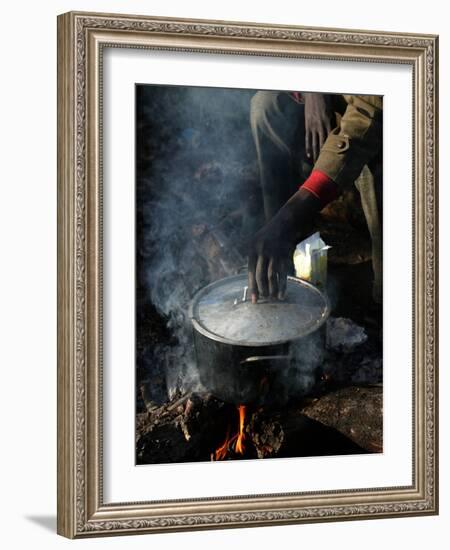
(308, 355)
(196, 202)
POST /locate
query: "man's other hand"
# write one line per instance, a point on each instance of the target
(319, 121)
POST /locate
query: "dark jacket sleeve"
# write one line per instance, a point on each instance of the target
(355, 142)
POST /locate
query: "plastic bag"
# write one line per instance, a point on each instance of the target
(310, 260)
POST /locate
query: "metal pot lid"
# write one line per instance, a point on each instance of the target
(222, 311)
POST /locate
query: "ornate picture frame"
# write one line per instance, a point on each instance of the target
(82, 38)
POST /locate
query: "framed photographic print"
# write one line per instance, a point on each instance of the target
(247, 288)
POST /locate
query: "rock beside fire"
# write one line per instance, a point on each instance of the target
(356, 412)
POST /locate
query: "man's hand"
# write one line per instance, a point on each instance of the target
(319, 121)
(270, 253)
(268, 262)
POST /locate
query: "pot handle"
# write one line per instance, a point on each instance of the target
(255, 359)
(244, 297)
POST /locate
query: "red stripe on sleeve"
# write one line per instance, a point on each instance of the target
(297, 96)
(321, 186)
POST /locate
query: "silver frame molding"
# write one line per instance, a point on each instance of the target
(81, 38)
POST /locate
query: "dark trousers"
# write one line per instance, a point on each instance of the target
(278, 128)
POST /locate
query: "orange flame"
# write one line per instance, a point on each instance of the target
(238, 439)
(221, 452)
(239, 448)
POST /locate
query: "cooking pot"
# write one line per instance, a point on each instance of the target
(258, 353)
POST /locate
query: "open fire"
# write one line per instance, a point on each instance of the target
(235, 443)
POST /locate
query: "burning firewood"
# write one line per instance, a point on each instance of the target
(199, 427)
